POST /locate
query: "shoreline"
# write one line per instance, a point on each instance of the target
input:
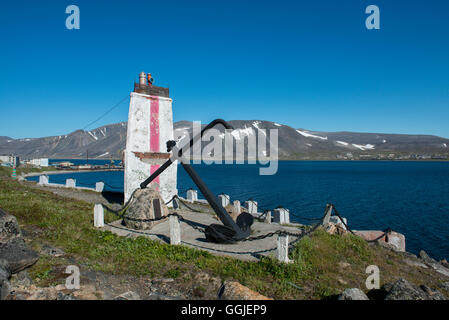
(33, 174)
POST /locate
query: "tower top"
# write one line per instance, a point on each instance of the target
(145, 86)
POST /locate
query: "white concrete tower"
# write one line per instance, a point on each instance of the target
(150, 126)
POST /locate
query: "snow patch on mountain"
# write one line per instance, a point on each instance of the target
(102, 155)
(364, 147)
(256, 124)
(92, 135)
(309, 135)
(238, 134)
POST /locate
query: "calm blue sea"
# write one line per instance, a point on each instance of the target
(410, 197)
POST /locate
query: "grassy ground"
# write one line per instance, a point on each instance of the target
(317, 270)
(7, 171)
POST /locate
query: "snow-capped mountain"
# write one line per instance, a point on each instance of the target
(293, 143)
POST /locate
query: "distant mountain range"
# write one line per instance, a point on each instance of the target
(293, 143)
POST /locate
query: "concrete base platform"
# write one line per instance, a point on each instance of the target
(247, 250)
(394, 239)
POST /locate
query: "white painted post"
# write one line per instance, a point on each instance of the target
(281, 215)
(98, 216)
(268, 217)
(99, 186)
(225, 199)
(337, 220)
(251, 205)
(282, 253)
(328, 215)
(175, 230)
(192, 195)
(237, 207)
(43, 180)
(70, 183)
(287, 215)
(148, 123)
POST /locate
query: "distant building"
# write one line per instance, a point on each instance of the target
(64, 164)
(84, 166)
(10, 160)
(43, 162)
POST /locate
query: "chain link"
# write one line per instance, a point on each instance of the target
(385, 232)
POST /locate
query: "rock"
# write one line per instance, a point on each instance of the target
(344, 265)
(404, 290)
(424, 256)
(5, 290)
(18, 255)
(233, 211)
(147, 204)
(35, 293)
(444, 286)
(432, 294)
(206, 286)
(159, 296)
(232, 290)
(21, 279)
(52, 251)
(433, 263)
(353, 294)
(337, 229)
(88, 292)
(444, 263)
(129, 295)
(336, 220)
(5, 273)
(9, 228)
(62, 296)
(415, 263)
(163, 280)
(32, 292)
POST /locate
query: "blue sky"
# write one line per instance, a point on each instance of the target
(308, 64)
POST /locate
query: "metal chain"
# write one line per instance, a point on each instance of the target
(385, 232)
(121, 212)
(181, 218)
(202, 230)
(186, 205)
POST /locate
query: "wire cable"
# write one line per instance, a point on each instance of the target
(107, 112)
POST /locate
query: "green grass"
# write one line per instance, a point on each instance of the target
(68, 224)
(7, 171)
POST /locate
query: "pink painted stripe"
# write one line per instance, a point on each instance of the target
(153, 170)
(154, 124)
(154, 132)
